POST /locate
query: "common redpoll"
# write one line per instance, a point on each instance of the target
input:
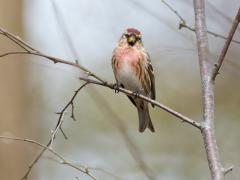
(133, 70)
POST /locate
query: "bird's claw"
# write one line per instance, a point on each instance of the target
(116, 88)
(135, 93)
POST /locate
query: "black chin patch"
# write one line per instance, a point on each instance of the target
(131, 43)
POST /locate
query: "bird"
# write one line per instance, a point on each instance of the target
(133, 70)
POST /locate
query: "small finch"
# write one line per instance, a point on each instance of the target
(133, 70)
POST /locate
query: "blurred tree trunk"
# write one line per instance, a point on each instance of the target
(13, 121)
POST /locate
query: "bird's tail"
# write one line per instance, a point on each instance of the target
(144, 119)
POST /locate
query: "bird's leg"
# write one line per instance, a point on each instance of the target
(137, 93)
(116, 87)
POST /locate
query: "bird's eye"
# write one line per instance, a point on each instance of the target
(127, 35)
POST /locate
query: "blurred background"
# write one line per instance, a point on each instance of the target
(32, 90)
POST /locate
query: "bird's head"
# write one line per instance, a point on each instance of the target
(131, 37)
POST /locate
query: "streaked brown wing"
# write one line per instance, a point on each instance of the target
(152, 78)
(114, 64)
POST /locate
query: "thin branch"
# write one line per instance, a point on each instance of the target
(145, 98)
(70, 103)
(228, 170)
(183, 23)
(17, 40)
(92, 168)
(63, 160)
(174, 11)
(207, 92)
(35, 161)
(226, 45)
(63, 133)
(72, 112)
(57, 127)
(33, 51)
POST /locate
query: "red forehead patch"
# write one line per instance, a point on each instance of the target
(132, 30)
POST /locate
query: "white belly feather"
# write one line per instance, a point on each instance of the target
(128, 78)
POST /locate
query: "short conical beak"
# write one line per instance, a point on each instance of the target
(131, 40)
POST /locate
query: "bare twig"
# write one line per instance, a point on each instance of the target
(174, 11)
(33, 51)
(63, 160)
(17, 40)
(57, 127)
(72, 112)
(92, 168)
(151, 101)
(207, 92)
(63, 133)
(35, 161)
(226, 45)
(183, 23)
(227, 170)
(70, 103)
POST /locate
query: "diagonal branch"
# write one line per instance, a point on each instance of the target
(63, 160)
(57, 127)
(147, 99)
(226, 45)
(33, 51)
(183, 23)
